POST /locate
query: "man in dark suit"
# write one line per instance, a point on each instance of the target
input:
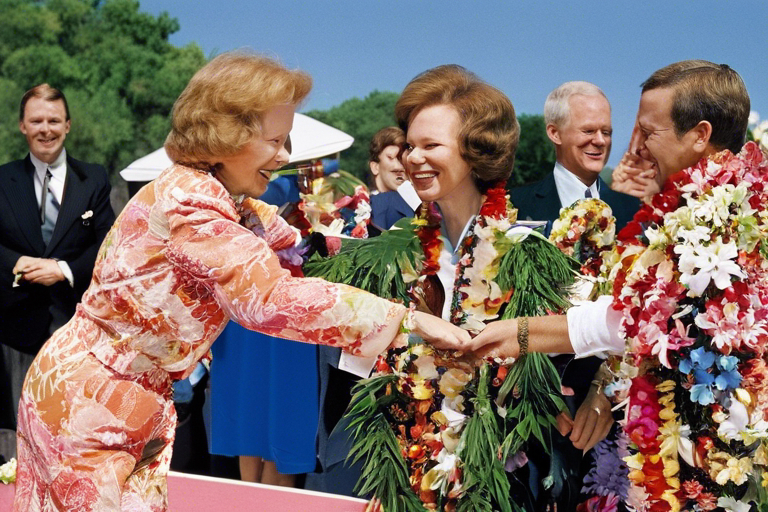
(54, 214)
(578, 119)
(394, 196)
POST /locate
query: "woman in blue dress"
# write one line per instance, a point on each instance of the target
(264, 393)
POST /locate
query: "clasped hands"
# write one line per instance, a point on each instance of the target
(497, 339)
(635, 176)
(42, 271)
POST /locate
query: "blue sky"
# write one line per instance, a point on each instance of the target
(525, 48)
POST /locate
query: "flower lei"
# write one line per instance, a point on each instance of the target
(442, 396)
(337, 204)
(584, 230)
(444, 425)
(476, 296)
(691, 283)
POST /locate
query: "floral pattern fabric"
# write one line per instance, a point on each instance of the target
(96, 417)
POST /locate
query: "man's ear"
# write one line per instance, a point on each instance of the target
(554, 134)
(22, 128)
(374, 168)
(703, 132)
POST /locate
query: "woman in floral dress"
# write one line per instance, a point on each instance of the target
(96, 420)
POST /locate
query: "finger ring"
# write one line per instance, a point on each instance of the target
(597, 410)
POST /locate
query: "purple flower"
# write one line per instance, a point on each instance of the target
(292, 256)
(609, 474)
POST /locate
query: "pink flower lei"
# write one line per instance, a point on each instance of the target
(691, 284)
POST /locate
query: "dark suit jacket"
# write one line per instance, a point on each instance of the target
(27, 312)
(539, 201)
(387, 208)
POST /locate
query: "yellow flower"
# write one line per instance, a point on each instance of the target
(453, 382)
(735, 470)
(421, 391)
(743, 396)
(666, 386)
(635, 461)
(671, 467)
(669, 497)
(668, 414)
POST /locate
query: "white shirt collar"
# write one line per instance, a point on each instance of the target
(58, 167)
(58, 175)
(570, 188)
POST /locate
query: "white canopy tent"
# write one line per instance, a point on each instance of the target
(310, 139)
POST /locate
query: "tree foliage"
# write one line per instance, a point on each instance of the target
(362, 118)
(535, 155)
(114, 63)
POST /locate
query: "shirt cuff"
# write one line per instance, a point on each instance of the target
(594, 328)
(67, 272)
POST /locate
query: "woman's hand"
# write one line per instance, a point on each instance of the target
(498, 339)
(593, 420)
(439, 333)
(374, 505)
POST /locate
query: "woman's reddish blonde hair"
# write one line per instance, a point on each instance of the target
(221, 108)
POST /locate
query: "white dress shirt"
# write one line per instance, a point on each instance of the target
(58, 176)
(570, 188)
(56, 187)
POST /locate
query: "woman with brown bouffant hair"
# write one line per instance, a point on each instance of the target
(461, 137)
(192, 250)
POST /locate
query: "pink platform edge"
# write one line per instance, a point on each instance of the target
(193, 493)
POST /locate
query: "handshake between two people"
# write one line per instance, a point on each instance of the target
(500, 339)
(505, 339)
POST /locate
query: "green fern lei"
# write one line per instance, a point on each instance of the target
(486, 487)
(385, 473)
(534, 269)
(539, 289)
(375, 265)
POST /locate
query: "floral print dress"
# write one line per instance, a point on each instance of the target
(96, 420)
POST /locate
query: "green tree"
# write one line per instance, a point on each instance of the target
(361, 119)
(114, 63)
(535, 153)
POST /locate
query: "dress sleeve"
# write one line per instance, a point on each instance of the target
(207, 244)
(594, 328)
